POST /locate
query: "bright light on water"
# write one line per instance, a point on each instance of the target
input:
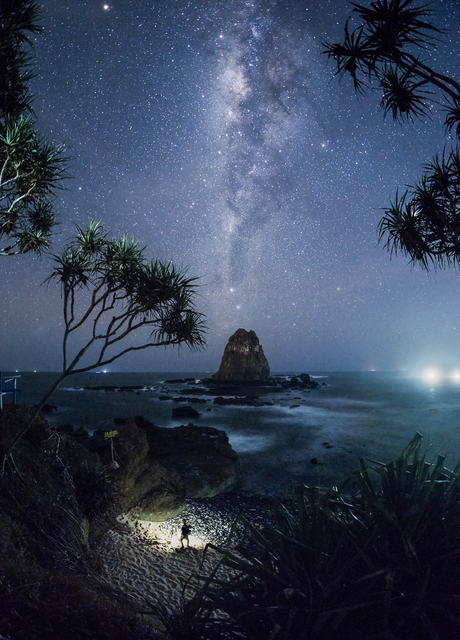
(432, 375)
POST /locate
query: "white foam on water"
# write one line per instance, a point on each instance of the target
(243, 444)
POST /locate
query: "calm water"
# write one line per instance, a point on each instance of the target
(373, 415)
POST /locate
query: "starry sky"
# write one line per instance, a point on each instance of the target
(216, 133)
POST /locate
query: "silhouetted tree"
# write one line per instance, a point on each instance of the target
(30, 168)
(423, 223)
(116, 302)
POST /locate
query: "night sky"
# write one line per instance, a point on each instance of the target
(216, 133)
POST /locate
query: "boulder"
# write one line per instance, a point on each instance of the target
(243, 359)
(303, 381)
(159, 505)
(140, 479)
(160, 468)
(185, 412)
(201, 456)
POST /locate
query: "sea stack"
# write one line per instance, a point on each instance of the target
(243, 359)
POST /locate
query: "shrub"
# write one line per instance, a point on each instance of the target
(374, 557)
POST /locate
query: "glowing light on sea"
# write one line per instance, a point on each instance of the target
(432, 375)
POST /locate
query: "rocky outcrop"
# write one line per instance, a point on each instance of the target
(185, 412)
(158, 469)
(201, 456)
(303, 381)
(243, 359)
(247, 401)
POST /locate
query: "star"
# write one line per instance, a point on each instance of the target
(235, 153)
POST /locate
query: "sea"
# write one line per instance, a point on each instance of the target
(308, 437)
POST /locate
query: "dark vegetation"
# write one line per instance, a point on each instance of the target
(31, 168)
(387, 52)
(115, 302)
(376, 557)
(54, 503)
(112, 295)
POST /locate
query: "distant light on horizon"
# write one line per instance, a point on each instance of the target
(432, 375)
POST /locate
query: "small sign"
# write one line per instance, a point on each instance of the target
(110, 434)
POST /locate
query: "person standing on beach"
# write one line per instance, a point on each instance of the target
(184, 534)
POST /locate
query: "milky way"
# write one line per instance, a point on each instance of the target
(260, 74)
(217, 134)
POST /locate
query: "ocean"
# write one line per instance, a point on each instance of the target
(311, 437)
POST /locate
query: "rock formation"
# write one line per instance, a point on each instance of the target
(185, 412)
(243, 359)
(160, 468)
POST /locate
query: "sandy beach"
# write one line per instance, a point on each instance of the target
(151, 567)
(145, 559)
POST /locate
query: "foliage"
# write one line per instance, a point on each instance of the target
(424, 223)
(382, 49)
(116, 302)
(386, 49)
(30, 168)
(381, 561)
(110, 285)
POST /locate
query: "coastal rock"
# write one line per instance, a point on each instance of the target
(139, 477)
(246, 401)
(160, 468)
(190, 400)
(243, 359)
(202, 456)
(159, 505)
(48, 408)
(303, 381)
(185, 412)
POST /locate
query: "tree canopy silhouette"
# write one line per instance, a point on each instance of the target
(30, 168)
(115, 302)
(385, 49)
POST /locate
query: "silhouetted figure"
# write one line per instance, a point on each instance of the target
(184, 534)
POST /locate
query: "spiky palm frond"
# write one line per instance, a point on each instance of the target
(394, 24)
(381, 49)
(401, 223)
(351, 56)
(72, 269)
(452, 121)
(122, 263)
(41, 216)
(33, 239)
(402, 96)
(17, 20)
(180, 323)
(161, 282)
(30, 168)
(90, 240)
(18, 17)
(15, 134)
(425, 222)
